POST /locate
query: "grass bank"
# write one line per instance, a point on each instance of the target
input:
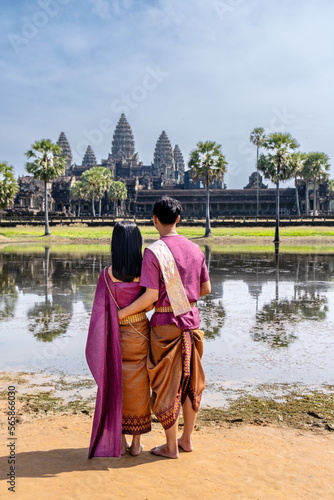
(85, 248)
(83, 232)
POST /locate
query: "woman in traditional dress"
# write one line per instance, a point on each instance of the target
(116, 352)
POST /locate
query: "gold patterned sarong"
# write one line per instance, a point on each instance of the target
(175, 371)
(136, 413)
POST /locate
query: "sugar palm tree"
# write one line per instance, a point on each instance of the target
(207, 163)
(299, 160)
(316, 168)
(257, 138)
(8, 185)
(279, 165)
(47, 164)
(96, 182)
(117, 192)
(78, 193)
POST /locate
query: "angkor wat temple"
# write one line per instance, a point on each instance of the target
(146, 183)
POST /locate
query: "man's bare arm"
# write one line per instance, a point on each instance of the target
(205, 288)
(144, 301)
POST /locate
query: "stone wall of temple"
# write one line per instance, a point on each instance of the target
(223, 202)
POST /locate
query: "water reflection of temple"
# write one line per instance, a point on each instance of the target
(65, 273)
(57, 281)
(60, 280)
(257, 269)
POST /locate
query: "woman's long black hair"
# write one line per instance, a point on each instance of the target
(126, 251)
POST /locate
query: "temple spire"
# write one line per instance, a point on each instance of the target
(123, 144)
(66, 148)
(163, 163)
(89, 160)
(179, 164)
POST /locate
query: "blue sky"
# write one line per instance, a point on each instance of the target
(200, 70)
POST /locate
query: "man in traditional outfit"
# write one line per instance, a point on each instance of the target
(175, 276)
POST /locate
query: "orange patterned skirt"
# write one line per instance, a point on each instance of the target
(175, 371)
(136, 412)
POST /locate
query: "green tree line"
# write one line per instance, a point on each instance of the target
(283, 162)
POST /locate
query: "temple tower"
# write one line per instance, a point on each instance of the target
(123, 143)
(89, 160)
(163, 163)
(66, 148)
(179, 164)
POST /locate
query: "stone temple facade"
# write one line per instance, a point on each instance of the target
(146, 183)
(166, 170)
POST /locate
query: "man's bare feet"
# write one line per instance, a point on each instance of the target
(136, 450)
(164, 451)
(185, 445)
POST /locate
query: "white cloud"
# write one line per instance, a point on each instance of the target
(101, 8)
(225, 75)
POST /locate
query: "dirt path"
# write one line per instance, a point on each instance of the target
(238, 463)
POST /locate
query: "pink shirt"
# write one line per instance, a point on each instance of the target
(190, 262)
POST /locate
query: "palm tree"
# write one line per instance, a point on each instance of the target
(330, 186)
(299, 160)
(96, 182)
(279, 165)
(78, 193)
(305, 176)
(117, 192)
(8, 185)
(316, 168)
(48, 164)
(257, 138)
(329, 193)
(207, 163)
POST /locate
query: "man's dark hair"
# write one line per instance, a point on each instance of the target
(167, 210)
(126, 251)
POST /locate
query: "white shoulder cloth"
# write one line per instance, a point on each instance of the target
(174, 286)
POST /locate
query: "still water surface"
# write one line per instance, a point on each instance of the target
(269, 320)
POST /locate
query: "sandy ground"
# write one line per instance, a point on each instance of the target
(241, 463)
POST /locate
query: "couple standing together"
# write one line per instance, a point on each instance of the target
(137, 365)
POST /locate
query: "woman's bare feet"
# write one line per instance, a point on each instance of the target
(136, 450)
(124, 446)
(164, 451)
(185, 444)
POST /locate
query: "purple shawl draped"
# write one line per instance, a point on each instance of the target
(104, 358)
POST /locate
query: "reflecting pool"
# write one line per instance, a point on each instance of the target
(269, 319)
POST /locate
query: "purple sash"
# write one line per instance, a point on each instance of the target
(104, 358)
